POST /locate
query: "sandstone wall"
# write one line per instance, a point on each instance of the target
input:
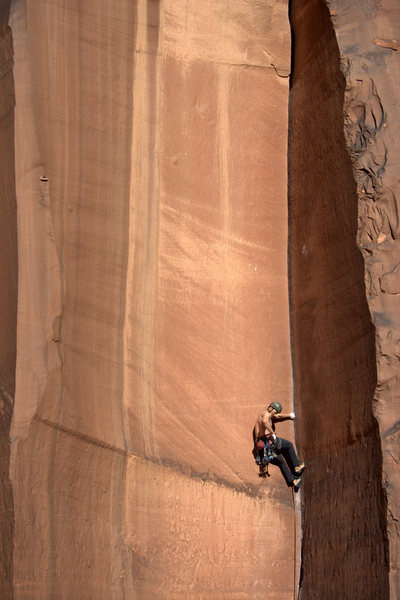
(345, 547)
(150, 161)
(368, 38)
(153, 304)
(8, 297)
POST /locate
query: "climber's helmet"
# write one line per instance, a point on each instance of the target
(277, 406)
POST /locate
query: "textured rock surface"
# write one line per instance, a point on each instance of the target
(345, 550)
(151, 159)
(153, 310)
(367, 41)
(8, 296)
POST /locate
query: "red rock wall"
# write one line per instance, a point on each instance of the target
(151, 160)
(8, 297)
(371, 61)
(345, 546)
(153, 303)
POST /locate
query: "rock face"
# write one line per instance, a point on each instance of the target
(344, 185)
(372, 137)
(153, 305)
(148, 164)
(8, 297)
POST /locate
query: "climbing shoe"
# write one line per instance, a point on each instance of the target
(297, 485)
(299, 470)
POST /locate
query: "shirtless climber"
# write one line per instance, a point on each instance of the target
(282, 451)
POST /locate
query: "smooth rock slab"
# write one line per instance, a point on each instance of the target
(153, 306)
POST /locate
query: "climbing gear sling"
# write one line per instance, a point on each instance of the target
(268, 450)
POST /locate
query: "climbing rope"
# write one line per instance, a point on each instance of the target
(263, 466)
(294, 548)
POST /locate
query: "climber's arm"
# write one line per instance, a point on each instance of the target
(284, 417)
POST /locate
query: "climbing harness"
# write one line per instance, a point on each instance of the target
(269, 453)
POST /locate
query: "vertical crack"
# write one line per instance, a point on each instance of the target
(333, 340)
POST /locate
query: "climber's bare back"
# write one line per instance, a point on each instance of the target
(264, 426)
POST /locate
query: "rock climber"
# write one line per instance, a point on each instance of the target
(280, 452)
